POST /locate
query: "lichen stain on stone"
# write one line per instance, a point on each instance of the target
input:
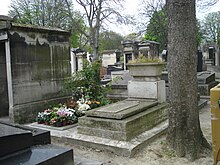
(30, 38)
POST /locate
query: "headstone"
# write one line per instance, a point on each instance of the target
(13, 139)
(211, 53)
(199, 61)
(113, 68)
(119, 85)
(206, 81)
(205, 77)
(24, 145)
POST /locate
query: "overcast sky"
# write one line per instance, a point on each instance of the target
(131, 7)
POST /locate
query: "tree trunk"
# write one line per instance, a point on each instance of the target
(96, 31)
(184, 132)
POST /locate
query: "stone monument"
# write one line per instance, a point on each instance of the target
(24, 145)
(206, 81)
(126, 126)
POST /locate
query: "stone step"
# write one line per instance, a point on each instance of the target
(43, 155)
(124, 129)
(122, 148)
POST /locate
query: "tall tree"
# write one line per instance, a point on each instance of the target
(110, 40)
(96, 12)
(42, 12)
(157, 28)
(206, 3)
(50, 13)
(184, 132)
(211, 26)
(149, 11)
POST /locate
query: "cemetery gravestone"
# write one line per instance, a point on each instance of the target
(206, 81)
(18, 146)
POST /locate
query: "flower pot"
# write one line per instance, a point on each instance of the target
(146, 71)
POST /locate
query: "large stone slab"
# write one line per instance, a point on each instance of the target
(205, 77)
(124, 129)
(121, 109)
(42, 155)
(13, 139)
(40, 137)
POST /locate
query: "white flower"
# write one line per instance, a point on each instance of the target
(83, 107)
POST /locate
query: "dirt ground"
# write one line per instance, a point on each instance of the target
(157, 153)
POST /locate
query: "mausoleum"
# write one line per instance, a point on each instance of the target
(34, 61)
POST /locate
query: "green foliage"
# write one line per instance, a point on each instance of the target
(43, 13)
(110, 40)
(79, 29)
(74, 40)
(132, 36)
(211, 27)
(157, 28)
(199, 34)
(87, 82)
(50, 13)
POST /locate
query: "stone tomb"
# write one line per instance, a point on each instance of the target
(206, 81)
(13, 139)
(122, 127)
(18, 146)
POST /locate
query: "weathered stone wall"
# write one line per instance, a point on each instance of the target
(3, 82)
(40, 62)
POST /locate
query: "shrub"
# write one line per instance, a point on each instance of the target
(86, 83)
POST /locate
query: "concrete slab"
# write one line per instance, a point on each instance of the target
(42, 154)
(122, 109)
(122, 148)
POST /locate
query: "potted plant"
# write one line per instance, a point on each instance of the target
(145, 69)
